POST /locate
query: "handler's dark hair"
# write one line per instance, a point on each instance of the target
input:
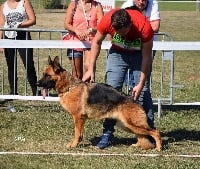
(120, 19)
(133, 8)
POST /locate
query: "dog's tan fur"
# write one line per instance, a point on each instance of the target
(97, 101)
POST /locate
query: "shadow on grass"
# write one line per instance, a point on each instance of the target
(169, 137)
(3, 101)
(180, 135)
(177, 107)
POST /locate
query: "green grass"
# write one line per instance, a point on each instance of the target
(172, 6)
(177, 6)
(46, 127)
(127, 162)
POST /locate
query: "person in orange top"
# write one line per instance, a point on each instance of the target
(82, 17)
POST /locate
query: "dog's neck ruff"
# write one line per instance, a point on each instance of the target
(69, 83)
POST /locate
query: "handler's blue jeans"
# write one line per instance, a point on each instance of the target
(117, 66)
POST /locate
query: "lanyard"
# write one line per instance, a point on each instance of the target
(84, 12)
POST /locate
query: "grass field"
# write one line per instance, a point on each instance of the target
(46, 128)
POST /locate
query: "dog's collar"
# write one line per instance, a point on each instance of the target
(67, 92)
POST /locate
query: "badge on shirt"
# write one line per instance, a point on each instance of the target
(127, 45)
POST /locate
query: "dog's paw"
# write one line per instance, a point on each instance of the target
(158, 148)
(135, 145)
(72, 144)
(145, 143)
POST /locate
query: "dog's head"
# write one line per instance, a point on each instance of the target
(50, 75)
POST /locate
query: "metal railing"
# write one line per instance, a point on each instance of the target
(36, 34)
(48, 42)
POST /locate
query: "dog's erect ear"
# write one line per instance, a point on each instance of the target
(50, 61)
(56, 64)
(56, 60)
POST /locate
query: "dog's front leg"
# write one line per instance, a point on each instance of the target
(79, 122)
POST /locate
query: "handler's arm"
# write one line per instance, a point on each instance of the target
(31, 15)
(155, 25)
(145, 67)
(69, 17)
(95, 50)
(155, 16)
(146, 60)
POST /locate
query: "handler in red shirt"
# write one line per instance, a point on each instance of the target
(132, 40)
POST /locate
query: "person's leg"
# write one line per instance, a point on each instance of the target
(129, 79)
(11, 60)
(116, 69)
(128, 82)
(145, 98)
(27, 59)
(77, 67)
(76, 58)
(86, 60)
(28, 62)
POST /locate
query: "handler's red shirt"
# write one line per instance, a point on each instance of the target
(141, 31)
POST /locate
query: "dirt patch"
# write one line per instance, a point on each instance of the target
(50, 21)
(181, 25)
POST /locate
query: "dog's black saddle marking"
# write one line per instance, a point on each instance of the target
(105, 94)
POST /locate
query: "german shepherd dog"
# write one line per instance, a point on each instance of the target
(97, 101)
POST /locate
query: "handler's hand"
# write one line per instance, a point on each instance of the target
(82, 34)
(136, 91)
(88, 77)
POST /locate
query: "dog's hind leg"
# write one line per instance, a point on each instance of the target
(79, 122)
(139, 131)
(157, 137)
(143, 142)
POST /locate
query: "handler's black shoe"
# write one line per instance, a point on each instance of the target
(106, 140)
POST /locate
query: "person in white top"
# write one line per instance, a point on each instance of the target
(149, 8)
(18, 14)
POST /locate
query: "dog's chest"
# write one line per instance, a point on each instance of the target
(71, 101)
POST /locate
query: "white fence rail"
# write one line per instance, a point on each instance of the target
(59, 44)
